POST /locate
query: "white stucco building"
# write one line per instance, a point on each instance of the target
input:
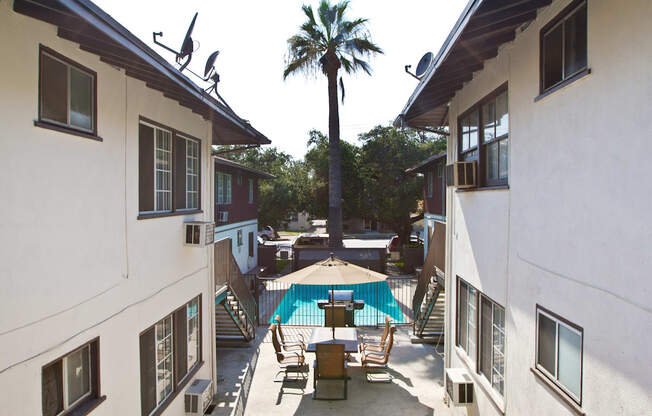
(548, 250)
(105, 153)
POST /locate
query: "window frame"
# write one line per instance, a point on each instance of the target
(474, 357)
(489, 377)
(177, 384)
(170, 193)
(251, 242)
(175, 210)
(240, 239)
(197, 160)
(57, 125)
(553, 378)
(251, 190)
(429, 182)
(221, 190)
(478, 152)
(90, 400)
(560, 19)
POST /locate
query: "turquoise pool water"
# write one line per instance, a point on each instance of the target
(299, 305)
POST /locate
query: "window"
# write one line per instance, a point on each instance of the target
(223, 192)
(564, 46)
(170, 351)
(163, 171)
(440, 170)
(239, 177)
(71, 381)
(168, 170)
(484, 347)
(251, 244)
(489, 119)
(240, 238)
(492, 343)
(67, 95)
(429, 183)
(467, 318)
(251, 191)
(559, 352)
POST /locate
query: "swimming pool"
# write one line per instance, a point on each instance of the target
(299, 305)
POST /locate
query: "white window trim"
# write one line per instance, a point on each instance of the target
(157, 362)
(169, 192)
(554, 378)
(67, 406)
(193, 174)
(489, 377)
(188, 319)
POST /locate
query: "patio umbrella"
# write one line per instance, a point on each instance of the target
(332, 271)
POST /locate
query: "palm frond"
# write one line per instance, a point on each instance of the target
(362, 46)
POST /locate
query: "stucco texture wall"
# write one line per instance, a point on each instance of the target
(75, 261)
(571, 233)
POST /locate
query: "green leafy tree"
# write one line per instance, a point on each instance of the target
(326, 45)
(316, 162)
(280, 197)
(390, 195)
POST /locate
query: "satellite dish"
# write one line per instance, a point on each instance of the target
(187, 47)
(422, 66)
(210, 64)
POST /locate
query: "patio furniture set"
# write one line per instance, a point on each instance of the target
(332, 352)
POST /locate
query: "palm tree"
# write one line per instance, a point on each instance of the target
(326, 46)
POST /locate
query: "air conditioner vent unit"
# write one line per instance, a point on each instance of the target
(461, 174)
(198, 397)
(198, 233)
(459, 386)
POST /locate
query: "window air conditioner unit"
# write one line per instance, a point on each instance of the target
(199, 233)
(461, 174)
(459, 386)
(198, 397)
(223, 216)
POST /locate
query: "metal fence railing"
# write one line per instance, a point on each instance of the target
(297, 304)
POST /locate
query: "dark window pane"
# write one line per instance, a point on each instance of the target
(485, 338)
(503, 159)
(502, 115)
(553, 55)
(492, 161)
(81, 99)
(489, 117)
(473, 128)
(462, 318)
(52, 389)
(547, 335)
(54, 98)
(575, 42)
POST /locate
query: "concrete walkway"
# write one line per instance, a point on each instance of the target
(245, 385)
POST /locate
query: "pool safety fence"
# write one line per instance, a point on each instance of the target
(297, 304)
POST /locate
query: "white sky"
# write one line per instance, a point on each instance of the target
(251, 37)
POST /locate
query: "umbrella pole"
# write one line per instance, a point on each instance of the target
(333, 310)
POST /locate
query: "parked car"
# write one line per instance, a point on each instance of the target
(268, 233)
(394, 242)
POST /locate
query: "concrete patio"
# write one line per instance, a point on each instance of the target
(246, 387)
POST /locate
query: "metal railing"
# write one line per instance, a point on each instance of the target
(297, 304)
(434, 259)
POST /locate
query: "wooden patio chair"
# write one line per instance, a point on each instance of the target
(287, 343)
(329, 365)
(288, 361)
(374, 362)
(372, 345)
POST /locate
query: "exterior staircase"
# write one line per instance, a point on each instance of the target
(428, 303)
(236, 310)
(430, 320)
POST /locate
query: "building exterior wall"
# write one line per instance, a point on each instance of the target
(300, 222)
(76, 262)
(436, 203)
(571, 233)
(241, 253)
(239, 209)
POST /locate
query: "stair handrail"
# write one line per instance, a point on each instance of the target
(433, 257)
(242, 293)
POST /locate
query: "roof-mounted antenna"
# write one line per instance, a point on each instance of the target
(187, 47)
(422, 66)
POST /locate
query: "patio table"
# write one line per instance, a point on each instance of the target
(323, 335)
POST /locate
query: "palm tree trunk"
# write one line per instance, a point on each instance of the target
(334, 165)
